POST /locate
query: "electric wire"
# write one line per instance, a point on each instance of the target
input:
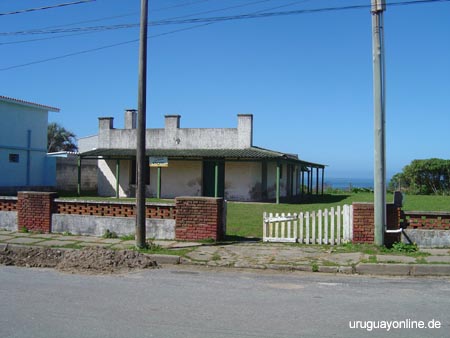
(47, 30)
(212, 20)
(88, 32)
(221, 18)
(131, 41)
(21, 11)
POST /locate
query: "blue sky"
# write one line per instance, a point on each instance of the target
(306, 78)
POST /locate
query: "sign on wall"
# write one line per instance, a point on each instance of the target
(158, 162)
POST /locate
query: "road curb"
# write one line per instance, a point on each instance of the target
(430, 270)
(403, 269)
(165, 259)
(383, 269)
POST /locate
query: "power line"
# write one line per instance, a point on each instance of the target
(130, 41)
(47, 30)
(113, 17)
(21, 11)
(218, 19)
(285, 13)
(255, 15)
(180, 5)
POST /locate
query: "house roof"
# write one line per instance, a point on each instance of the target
(28, 104)
(253, 153)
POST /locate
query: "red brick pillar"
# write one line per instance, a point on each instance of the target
(364, 226)
(199, 218)
(34, 210)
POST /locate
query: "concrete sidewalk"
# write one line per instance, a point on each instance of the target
(257, 255)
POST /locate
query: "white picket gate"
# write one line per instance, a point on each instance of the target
(334, 226)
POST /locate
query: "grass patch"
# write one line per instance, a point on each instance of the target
(216, 257)
(157, 249)
(110, 234)
(163, 251)
(426, 203)
(372, 249)
(129, 237)
(245, 219)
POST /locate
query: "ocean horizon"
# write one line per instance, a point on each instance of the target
(343, 183)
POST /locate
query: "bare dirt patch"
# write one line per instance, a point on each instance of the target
(87, 260)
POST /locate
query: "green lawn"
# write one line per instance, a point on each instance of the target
(245, 219)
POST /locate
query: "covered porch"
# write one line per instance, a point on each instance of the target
(252, 174)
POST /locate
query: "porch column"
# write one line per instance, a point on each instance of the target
(158, 183)
(278, 183)
(79, 176)
(216, 179)
(302, 182)
(264, 194)
(117, 178)
(308, 187)
(323, 175)
(317, 181)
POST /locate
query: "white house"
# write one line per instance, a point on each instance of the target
(197, 162)
(23, 146)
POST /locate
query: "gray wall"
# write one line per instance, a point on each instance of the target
(67, 174)
(97, 225)
(172, 136)
(8, 220)
(427, 238)
(87, 143)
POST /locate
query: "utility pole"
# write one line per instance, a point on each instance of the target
(379, 96)
(140, 149)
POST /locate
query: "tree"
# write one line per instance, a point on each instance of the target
(60, 139)
(424, 177)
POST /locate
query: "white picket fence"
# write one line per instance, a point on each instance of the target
(334, 226)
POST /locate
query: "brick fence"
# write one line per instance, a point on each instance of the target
(427, 220)
(196, 218)
(34, 210)
(8, 203)
(113, 209)
(363, 223)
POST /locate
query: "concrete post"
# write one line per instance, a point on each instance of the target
(130, 118)
(245, 131)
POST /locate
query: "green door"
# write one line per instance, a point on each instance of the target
(209, 174)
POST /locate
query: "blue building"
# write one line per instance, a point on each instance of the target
(24, 164)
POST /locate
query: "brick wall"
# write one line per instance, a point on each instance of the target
(363, 228)
(8, 203)
(113, 209)
(199, 218)
(196, 218)
(363, 223)
(35, 210)
(427, 220)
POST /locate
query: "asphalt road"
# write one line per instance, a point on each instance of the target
(180, 302)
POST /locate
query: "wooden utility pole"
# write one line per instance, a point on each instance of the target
(140, 149)
(379, 97)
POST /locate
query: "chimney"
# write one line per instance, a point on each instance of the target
(245, 130)
(172, 122)
(130, 118)
(105, 123)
